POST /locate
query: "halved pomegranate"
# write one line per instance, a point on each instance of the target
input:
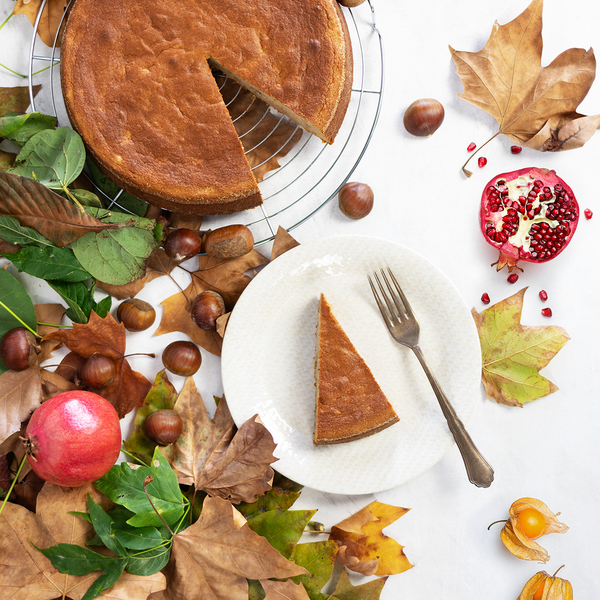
(530, 214)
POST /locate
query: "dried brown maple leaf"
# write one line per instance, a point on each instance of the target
(27, 573)
(213, 558)
(225, 276)
(361, 535)
(215, 457)
(535, 106)
(282, 243)
(107, 337)
(20, 395)
(53, 384)
(50, 20)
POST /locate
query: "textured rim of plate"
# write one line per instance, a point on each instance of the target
(348, 468)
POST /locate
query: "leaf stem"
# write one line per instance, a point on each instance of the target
(14, 481)
(148, 480)
(19, 319)
(135, 457)
(466, 171)
(180, 288)
(557, 570)
(54, 325)
(494, 523)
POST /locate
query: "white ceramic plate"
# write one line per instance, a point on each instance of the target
(268, 361)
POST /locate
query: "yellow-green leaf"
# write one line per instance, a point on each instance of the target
(513, 354)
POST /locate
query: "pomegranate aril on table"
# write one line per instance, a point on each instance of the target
(588, 213)
(530, 215)
(485, 298)
(482, 161)
(512, 278)
(547, 312)
(516, 149)
(543, 295)
(471, 147)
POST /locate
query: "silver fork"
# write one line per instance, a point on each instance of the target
(404, 328)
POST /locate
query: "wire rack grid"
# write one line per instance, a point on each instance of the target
(311, 173)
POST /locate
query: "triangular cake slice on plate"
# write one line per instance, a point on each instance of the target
(350, 405)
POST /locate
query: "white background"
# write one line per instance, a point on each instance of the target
(549, 449)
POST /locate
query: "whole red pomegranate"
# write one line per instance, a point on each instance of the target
(530, 214)
(73, 438)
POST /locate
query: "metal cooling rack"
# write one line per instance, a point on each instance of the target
(312, 173)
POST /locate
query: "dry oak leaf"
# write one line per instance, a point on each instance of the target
(50, 20)
(107, 337)
(213, 558)
(37, 207)
(214, 457)
(157, 265)
(535, 106)
(512, 354)
(225, 276)
(26, 573)
(20, 395)
(514, 538)
(554, 588)
(362, 536)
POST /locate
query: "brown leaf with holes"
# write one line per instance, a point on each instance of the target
(282, 243)
(27, 573)
(361, 535)
(225, 276)
(52, 314)
(107, 337)
(214, 558)
(50, 20)
(157, 265)
(20, 395)
(36, 206)
(535, 106)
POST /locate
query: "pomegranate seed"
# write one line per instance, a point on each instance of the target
(516, 149)
(512, 278)
(547, 312)
(485, 298)
(471, 147)
(543, 295)
(482, 161)
(588, 213)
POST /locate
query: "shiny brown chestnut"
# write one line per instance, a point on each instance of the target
(136, 315)
(18, 349)
(98, 371)
(230, 241)
(355, 200)
(207, 307)
(423, 117)
(182, 244)
(163, 426)
(182, 358)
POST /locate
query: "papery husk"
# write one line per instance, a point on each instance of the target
(555, 588)
(515, 539)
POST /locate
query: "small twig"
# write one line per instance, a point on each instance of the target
(19, 319)
(12, 485)
(148, 480)
(557, 570)
(494, 523)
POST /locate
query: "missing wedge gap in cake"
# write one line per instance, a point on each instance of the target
(272, 102)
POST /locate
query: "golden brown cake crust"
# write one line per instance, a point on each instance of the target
(139, 89)
(350, 405)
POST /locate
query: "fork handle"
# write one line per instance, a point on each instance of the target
(479, 471)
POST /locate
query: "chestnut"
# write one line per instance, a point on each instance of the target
(350, 3)
(423, 117)
(98, 371)
(207, 307)
(230, 241)
(163, 426)
(136, 315)
(18, 349)
(355, 200)
(182, 244)
(182, 358)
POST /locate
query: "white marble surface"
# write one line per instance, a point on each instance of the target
(550, 448)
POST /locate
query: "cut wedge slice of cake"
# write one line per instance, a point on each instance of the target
(349, 403)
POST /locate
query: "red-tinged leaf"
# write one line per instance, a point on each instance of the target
(37, 207)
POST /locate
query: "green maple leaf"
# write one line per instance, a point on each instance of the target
(513, 354)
